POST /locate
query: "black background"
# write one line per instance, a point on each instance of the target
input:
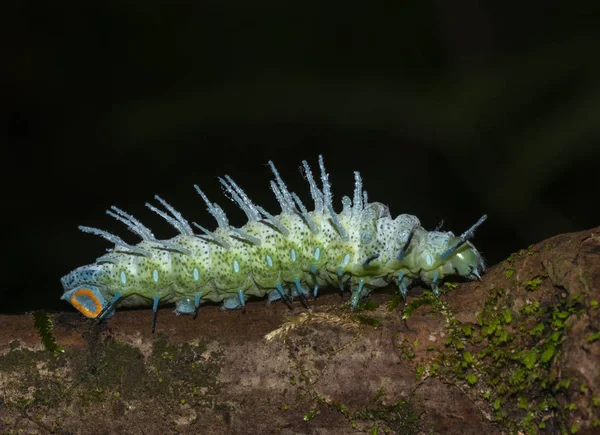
(448, 109)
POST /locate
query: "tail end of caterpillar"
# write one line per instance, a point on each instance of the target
(81, 290)
(90, 302)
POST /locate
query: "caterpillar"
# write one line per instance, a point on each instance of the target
(285, 256)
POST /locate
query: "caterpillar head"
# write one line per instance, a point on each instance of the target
(441, 254)
(466, 261)
(82, 289)
(461, 257)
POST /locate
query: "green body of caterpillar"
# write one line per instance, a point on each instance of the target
(292, 254)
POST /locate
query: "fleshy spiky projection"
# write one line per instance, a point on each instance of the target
(292, 254)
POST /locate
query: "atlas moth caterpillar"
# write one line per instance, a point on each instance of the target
(289, 255)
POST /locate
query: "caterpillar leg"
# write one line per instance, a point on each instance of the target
(356, 295)
(154, 312)
(279, 294)
(235, 302)
(340, 274)
(403, 282)
(435, 285)
(287, 298)
(196, 306)
(188, 306)
(301, 292)
(273, 296)
(109, 310)
(313, 270)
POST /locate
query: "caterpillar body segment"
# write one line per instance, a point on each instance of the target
(284, 257)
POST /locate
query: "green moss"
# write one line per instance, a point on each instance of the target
(116, 367)
(563, 383)
(380, 394)
(517, 378)
(366, 305)
(399, 417)
(530, 358)
(450, 286)
(558, 318)
(533, 284)
(310, 414)
(506, 316)
(419, 372)
(43, 325)
(395, 301)
(34, 380)
(343, 409)
(512, 257)
(548, 353)
(593, 337)
(406, 350)
(497, 404)
(468, 358)
(115, 372)
(471, 379)
(531, 308)
(369, 321)
(537, 330)
(181, 366)
(523, 402)
(512, 365)
(509, 273)
(428, 298)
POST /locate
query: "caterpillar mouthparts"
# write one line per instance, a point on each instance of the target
(283, 256)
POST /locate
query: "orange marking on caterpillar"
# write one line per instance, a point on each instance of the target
(82, 308)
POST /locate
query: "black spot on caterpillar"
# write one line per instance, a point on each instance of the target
(289, 255)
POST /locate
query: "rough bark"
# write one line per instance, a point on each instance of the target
(517, 352)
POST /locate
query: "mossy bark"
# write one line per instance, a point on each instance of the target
(517, 352)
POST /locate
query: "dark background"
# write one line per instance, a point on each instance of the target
(448, 109)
